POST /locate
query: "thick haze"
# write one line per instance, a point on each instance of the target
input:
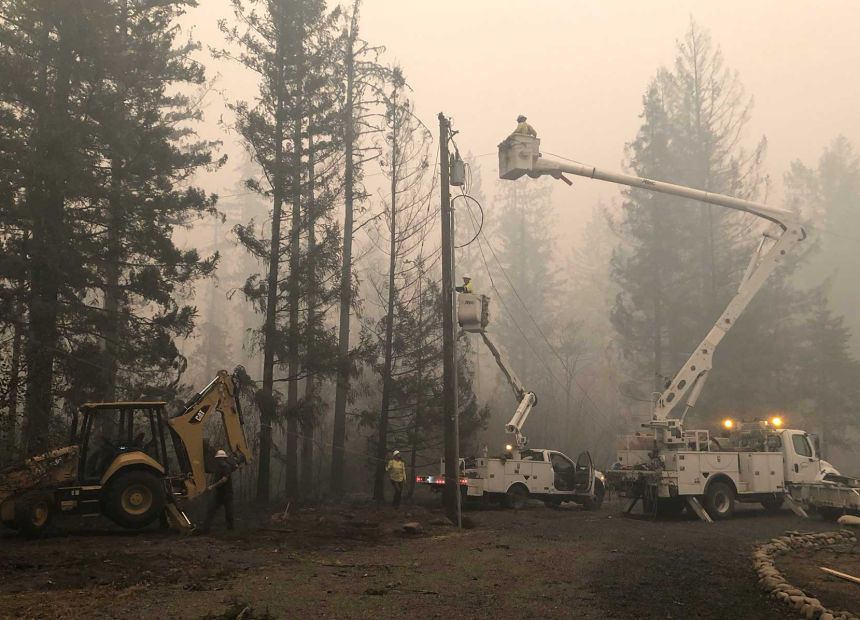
(579, 70)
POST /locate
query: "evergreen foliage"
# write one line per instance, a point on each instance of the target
(99, 151)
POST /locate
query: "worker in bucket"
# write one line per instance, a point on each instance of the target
(223, 491)
(467, 285)
(524, 128)
(396, 469)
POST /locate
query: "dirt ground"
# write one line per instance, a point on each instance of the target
(801, 568)
(355, 562)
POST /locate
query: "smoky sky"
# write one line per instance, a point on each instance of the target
(579, 70)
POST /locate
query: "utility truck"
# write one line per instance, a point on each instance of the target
(520, 473)
(669, 467)
(127, 461)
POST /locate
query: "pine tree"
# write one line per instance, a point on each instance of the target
(650, 311)
(104, 157)
(827, 383)
(289, 43)
(679, 262)
(146, 135)
(323, 189)
(405, 163)
(828, 197)
(363, 78)
(46, 65)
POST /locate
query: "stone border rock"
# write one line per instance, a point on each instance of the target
(775, 584)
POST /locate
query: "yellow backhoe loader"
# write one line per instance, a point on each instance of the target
(127, 461)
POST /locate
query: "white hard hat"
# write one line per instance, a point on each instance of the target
(397, 453)
(220, 454)
(466, 276)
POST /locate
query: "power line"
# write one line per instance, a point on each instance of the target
(522, 303)
(522, 333)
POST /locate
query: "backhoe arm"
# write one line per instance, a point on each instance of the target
(220, 395)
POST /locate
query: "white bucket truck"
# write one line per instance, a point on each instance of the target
(669, 467)
(520, 473)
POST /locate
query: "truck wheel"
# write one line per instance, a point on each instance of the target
(594, 502)
(830, 514)
(517, 497)
(134, 499)
(33, 513)
(720, 500)
(772, 504)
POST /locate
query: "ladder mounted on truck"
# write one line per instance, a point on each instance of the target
(473, 316)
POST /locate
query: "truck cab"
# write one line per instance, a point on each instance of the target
(801, 461)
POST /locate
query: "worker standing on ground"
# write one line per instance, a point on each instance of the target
(223, 492)
(524, 128)
(396, 469)
(467, 285)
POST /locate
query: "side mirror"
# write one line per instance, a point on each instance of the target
(816, 444)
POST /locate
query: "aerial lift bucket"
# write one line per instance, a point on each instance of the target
(473, 312)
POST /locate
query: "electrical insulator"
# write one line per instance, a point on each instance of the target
(458, 172)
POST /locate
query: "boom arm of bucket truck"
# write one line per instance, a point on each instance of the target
(527, 400)
(520, 154)
(473, 317)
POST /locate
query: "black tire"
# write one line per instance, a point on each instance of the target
(830, 514)
(595, 501)
(134, 499)
(517, 497)
(33, 513)
(773, 504)
(720, 500)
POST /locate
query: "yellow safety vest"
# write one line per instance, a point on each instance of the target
(396, 470)
(525, 129)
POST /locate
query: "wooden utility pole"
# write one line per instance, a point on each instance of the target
(449, 350)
